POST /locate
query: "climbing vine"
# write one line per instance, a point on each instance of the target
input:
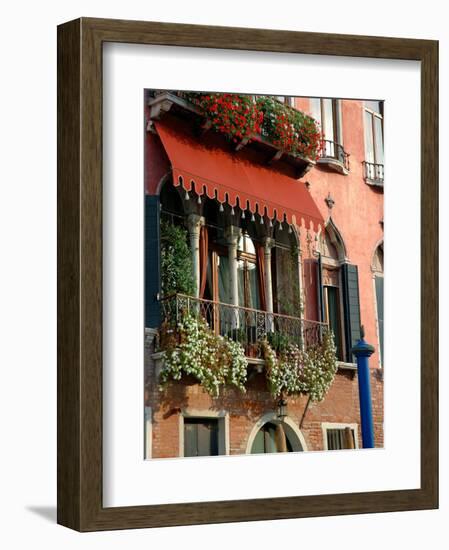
(176, 261)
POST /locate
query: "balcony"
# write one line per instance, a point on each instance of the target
(244, 325)
(374, 173)
(183, 106)
(334, 157)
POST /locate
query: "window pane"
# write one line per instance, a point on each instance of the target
(253, 286)
(223, 280)
(209, 290)
(249, 245)
(224, 316)
(241, 282)
(328, 114)
(379, 142)
(315, 108)
(336, 439)
(369, 142)
(246, 244)
(374, 106)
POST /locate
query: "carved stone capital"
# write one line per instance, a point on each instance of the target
(268, 244)
(194, 223)
(232, 235)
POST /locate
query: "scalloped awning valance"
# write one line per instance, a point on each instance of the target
(229, 178)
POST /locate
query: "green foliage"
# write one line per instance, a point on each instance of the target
(279, 341)
(215, 361)
(289, 129)
(176, 261)
(297, 371)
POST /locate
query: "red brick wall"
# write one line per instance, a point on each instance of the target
(245, 410)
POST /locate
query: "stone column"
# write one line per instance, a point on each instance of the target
(268, 245)
(194, 223)
(232, 235)
(298, 254)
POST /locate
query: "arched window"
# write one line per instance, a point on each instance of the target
(172, 209)
(248, 283)
(330, 251)
(332, 254)
(378, 270)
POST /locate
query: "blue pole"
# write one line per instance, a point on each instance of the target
(363, 351)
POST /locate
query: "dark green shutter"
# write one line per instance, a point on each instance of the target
(334, 311)
(319, 284)
(208, 438)
(200, 437)
(380, 314)
(152, 261)
(190, 439)
(351, 306)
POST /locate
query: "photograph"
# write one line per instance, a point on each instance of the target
(264, 273)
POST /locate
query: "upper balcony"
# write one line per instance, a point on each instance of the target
(374, 173)
(244, 325)
(334, 157)
(276, 142)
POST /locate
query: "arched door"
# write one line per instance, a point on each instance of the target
(268, 440)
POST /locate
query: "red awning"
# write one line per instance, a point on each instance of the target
(229, 178)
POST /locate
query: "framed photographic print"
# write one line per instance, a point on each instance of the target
(230, 204)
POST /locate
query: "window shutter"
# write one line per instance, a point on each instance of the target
(351, 305)
(190, 439)
(380, 314)
(152, 261)
(319, 279)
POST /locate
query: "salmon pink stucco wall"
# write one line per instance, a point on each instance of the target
(357, 211)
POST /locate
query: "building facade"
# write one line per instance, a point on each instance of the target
(282, 246)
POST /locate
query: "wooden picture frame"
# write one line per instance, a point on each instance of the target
(80, 274)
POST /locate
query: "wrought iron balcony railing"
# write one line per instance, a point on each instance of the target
(245, 325)
(333, 150)
(374, 173)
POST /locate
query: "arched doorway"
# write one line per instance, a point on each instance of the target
(264, 437)
(267, 440)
